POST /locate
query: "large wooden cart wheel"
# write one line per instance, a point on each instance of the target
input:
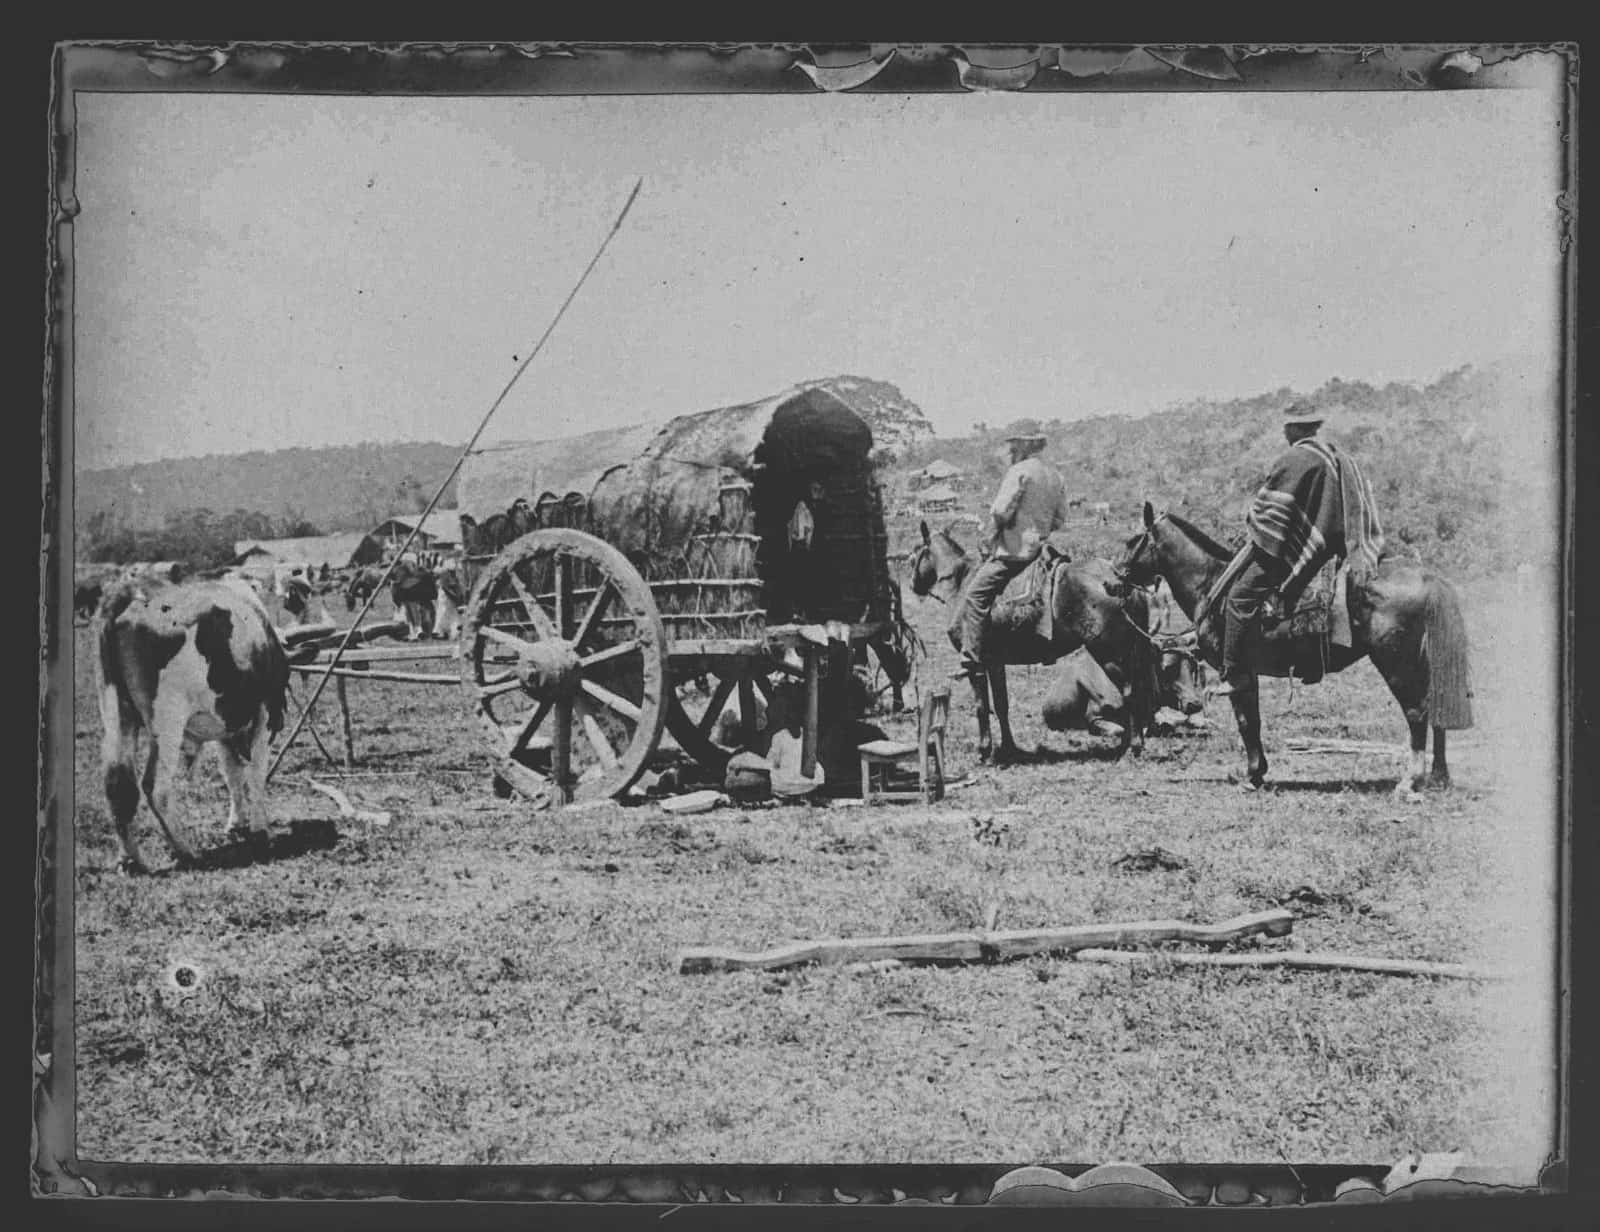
(565, 660)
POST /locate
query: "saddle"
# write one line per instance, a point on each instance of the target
(1038, 580)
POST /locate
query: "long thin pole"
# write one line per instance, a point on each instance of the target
(372, 598)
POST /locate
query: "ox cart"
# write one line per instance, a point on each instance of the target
(732, 557)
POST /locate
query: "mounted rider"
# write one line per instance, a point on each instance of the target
(1031, 503)
(1315, 505)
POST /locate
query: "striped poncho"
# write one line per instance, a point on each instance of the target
(1315, 504)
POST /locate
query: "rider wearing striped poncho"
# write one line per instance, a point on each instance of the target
(1315, 504)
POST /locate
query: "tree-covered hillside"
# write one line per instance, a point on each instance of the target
(1463, 469)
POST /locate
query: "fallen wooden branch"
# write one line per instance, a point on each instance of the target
(984, 946)
(307, 640)
(1287, 958)
(318, 669)
(1339, 746)
(346, 809)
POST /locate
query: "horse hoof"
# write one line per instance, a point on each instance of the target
(1439, 782)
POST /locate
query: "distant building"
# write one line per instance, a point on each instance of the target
(335, 551)
(939, 472)
(941, 498)
(440, 532)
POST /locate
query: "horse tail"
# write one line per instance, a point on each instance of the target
(1449, 674)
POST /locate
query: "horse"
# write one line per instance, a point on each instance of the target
(1406, 619)
(1086, 613)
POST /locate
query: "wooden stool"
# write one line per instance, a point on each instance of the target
(932, 717)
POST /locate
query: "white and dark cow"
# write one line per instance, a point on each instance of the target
(453, 595)
(186, 664)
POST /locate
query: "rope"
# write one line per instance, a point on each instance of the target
(322, 681)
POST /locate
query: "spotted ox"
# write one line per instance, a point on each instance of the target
(187, 664)
(1086, 696)
(1082, 695)
(453, 596)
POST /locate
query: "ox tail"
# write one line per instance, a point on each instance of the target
(1449, 673)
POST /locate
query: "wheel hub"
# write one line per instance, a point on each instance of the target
(549, 670)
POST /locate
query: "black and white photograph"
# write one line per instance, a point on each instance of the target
(1008, 616)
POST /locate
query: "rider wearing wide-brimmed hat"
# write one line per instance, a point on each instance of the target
(1314, 505)
(1031, 502)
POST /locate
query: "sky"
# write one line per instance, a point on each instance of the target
(253, 272)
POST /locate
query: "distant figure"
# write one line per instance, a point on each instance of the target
(1031, 503)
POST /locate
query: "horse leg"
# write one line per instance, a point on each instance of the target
(1409, 684)
(1247, 715)
(980, 696)
(1441, 773)
(1002, 709)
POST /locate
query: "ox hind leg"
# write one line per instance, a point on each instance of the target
(172, 753)
(244, 765)
(118, 753)
(1407, 678)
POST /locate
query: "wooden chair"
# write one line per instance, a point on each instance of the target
(879, 758)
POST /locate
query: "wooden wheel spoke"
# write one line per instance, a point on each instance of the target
(500, 685)
(596, 735)
(632, 646)
(528, 728)
(562, 586)
(612, 701)
(540, 617)
(505, 639)
(719, 699)
(597, 607)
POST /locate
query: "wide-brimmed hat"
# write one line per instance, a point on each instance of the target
(1301, 413)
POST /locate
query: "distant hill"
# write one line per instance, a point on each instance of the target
(1463, 468)
(335, 489)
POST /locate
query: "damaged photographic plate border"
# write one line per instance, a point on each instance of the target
(575, 69)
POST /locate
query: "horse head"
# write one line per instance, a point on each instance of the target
(938, 562)
(1140, 564)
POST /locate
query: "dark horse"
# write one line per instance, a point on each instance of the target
(1086, 614)
(1406, 619)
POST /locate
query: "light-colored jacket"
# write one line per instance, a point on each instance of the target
(1031, 503)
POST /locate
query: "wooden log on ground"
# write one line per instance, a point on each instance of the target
(984, 946)
(318, 669)
(298, 635)
(1302, 745)
(347, 809)
(1298, 960)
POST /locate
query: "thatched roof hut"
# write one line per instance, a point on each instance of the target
(665, 495)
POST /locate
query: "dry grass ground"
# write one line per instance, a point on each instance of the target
(477, 983)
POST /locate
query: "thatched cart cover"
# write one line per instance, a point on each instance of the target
(673, 499)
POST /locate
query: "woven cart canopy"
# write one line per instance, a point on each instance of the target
(654, 491)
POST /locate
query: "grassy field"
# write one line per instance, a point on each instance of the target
(478, 983)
